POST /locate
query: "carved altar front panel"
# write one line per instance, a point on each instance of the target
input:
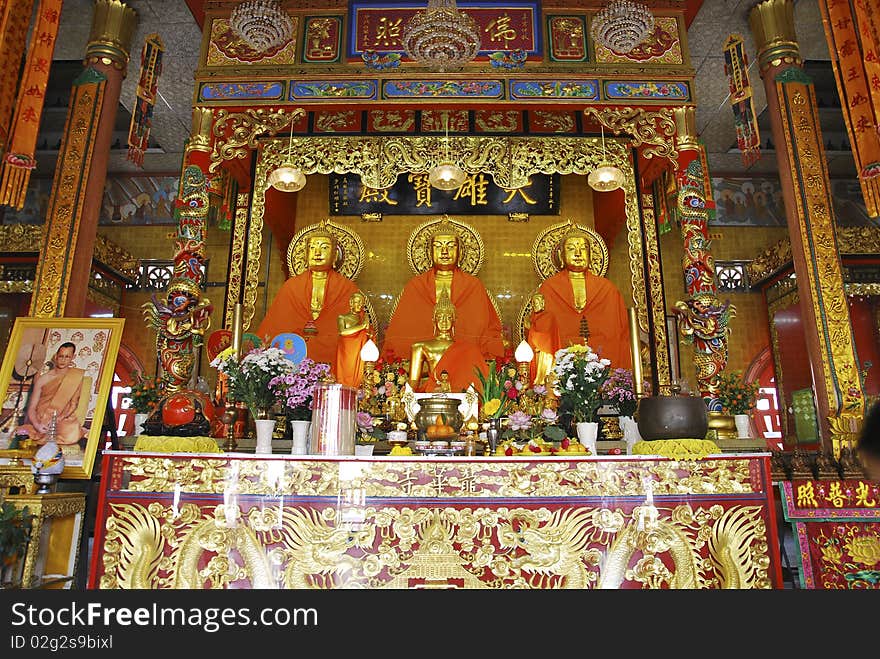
(184, 521)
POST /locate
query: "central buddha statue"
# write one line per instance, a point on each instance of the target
(584, 303)
(477, 321)
(310, 303)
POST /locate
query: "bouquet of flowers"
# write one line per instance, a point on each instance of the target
(388, 380)
(495, 391)
(579, 377)
(145, 394)
(736, 395)
(294, 389)
(249, 378)
(618, 391)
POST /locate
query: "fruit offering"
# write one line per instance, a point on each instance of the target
(568, 446)
(440, 429)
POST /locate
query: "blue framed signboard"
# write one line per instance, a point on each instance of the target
(413, 195)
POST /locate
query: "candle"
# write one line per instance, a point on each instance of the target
(636, 351)
(236, 329)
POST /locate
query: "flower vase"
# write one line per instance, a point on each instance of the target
(743, 423)
(630, 429)
(587, 432)
(139, 419)
(493, 433)
(299, 434)
(265, 429)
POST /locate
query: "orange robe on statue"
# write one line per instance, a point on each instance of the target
(349, 367)
(476, 320)
(290, 311)
(604, 310)
(459, 361)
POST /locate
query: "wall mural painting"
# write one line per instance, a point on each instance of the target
(128, 200)
(758, 202)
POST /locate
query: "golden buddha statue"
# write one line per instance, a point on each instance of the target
(576, 297)
(436, 363)
(310, 303)
(354, 330)
(477, 320)
(542, 334)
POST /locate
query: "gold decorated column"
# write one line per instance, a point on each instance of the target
(64, 266)
(800, 157)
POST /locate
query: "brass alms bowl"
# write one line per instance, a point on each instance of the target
(442, 406)
(672, 417)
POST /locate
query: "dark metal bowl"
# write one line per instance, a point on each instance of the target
(672, 417)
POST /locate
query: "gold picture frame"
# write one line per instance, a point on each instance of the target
(82, 395)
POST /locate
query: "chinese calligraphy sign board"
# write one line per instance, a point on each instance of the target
(413, 195)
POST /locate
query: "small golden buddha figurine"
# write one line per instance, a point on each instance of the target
(354, 330)
(443, 362)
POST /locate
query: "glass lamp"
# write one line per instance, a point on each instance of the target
(369, 356)
(523, 356)
(606, 177)
(287, 177)
(447, 175)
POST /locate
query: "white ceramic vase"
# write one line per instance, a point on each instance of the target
(587, 432)
(265, 428)
(139, 418)
(631, 434)
(743, 423)
(299, 434)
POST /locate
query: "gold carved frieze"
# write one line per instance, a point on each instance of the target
(115, 256)
(843, 389)
(858, 240)
(21, 237)
(497, 121)
(769, 261)
(67, 199)
(653, 128)
(236, 133)
(353, 543)
(437, 478)
(236, 257)
(655, 299)
(392, 121)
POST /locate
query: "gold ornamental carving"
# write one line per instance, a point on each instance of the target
(769, 261)
(21, 237)
(471, 249)
(655, 301)
(438, 479)
(840, 382)
(67, 198)
(858, 240)
(237, 250)
(655, 129)
(349, 247)
(236, 134)
(353, 545)
(378, 161)
(115, 256)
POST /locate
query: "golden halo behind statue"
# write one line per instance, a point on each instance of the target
(547, 254)
(470, 254)
(349, 250)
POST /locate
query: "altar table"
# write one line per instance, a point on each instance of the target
(244, 521)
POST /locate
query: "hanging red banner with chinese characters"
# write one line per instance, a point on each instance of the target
(18, 161)
(736, 66)
(147, 89)
(15, 18)
(851, 27)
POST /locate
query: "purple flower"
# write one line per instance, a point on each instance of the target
(365, 421)
(549, 415)
(519, 421)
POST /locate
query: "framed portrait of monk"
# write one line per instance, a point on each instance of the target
(55, 381)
